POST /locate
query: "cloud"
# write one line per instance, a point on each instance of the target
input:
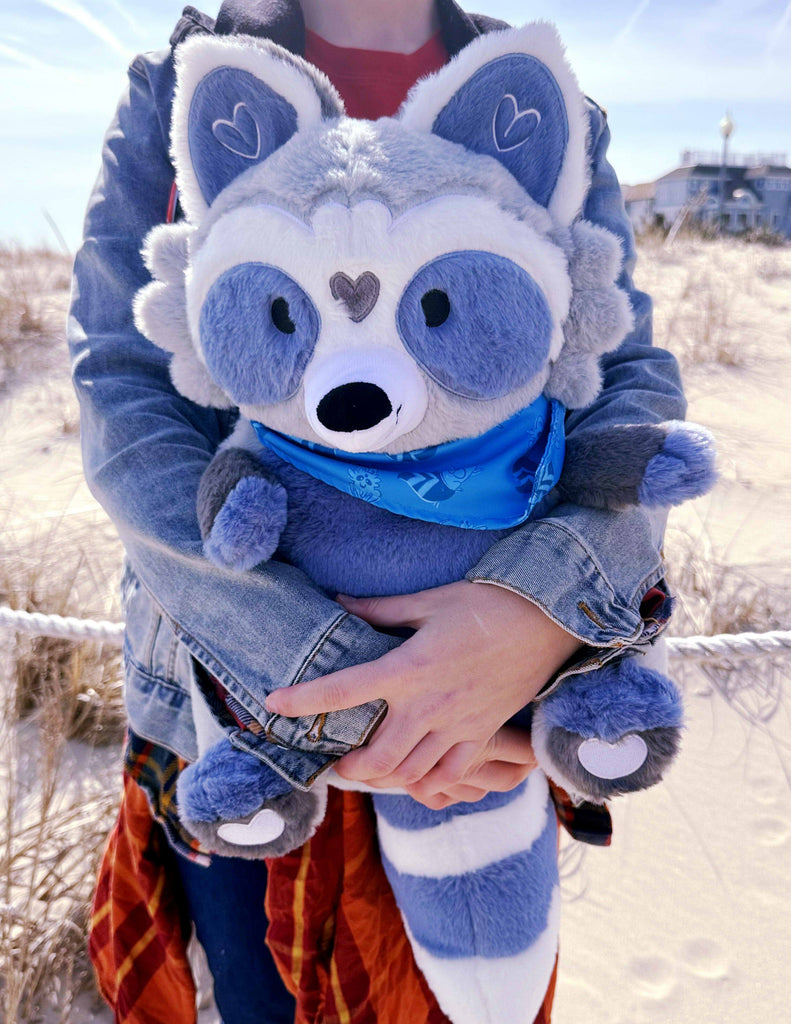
(635, 16)
(19, 57)
(76, 12)
(119, 8)
(778, 30)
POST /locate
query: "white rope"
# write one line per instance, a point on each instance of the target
(731, 645)
(725, 645)
(64, 627)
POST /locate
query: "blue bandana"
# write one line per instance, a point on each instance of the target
(490, 482)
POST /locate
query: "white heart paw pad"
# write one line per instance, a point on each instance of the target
(613, 760)
(262, 828)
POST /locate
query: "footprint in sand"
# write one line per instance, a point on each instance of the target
(771, 831)
(705, 958)
(765, 789)
(653, 976)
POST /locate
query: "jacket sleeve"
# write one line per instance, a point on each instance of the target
(589, 569)
(145, 447)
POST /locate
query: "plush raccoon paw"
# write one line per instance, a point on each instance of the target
(276, 828)
(682, 469)
(247, 528)
(615, 730)
(237, 806)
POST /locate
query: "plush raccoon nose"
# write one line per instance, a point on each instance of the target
(357, 406)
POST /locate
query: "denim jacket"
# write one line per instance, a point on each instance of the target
(145, 448)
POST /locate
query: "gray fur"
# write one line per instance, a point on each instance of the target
(600, 316)
(662, 744)
(222, 474)
(161, 315)
(301, 811)
(166, 253)
(604, 468)
(350, 161)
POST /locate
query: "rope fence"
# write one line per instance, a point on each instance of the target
(730, 646)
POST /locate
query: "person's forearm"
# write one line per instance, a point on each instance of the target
(145, 447)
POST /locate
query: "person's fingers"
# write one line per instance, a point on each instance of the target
(401, 610)
(424, 756)
(339, 690)
(392, 743)
(499, 776)
(505, 761)
(434, 802)
(512, 744)
(464, 794)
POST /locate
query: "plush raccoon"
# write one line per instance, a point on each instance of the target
(402, 311)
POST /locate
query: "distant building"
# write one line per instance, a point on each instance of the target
(751, 192)
(639, 201)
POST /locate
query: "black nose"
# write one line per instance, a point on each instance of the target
(357, 406)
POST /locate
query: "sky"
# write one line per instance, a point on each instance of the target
(665, 70)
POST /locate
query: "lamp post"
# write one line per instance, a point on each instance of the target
(726, 130)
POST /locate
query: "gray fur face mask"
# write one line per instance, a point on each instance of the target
(389, 285)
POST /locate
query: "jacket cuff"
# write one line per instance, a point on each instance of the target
(550, 563)
(344, 642)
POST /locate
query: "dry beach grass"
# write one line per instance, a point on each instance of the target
(724, 308)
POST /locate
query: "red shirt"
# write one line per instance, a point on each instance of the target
(373, 83)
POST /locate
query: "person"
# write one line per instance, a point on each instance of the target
(564, 589)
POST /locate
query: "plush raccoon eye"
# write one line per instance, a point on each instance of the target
(281, 316)
(436, 307)
(476, 322)
(258, 330)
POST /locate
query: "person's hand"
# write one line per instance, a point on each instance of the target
(480, 654)
(505, 761)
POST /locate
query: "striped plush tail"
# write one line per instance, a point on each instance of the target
(477, 887)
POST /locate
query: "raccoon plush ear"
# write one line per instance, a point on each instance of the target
(237, 100)
(511, 95)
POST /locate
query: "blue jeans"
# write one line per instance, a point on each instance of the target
(225, 901)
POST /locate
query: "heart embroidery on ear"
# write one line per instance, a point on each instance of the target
(358, 296)
(512, 127)
(241, 135)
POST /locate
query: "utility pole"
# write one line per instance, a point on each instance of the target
(726, 130)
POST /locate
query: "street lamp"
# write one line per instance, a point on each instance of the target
(726, 130)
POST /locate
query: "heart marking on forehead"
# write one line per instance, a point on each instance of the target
(358, 296)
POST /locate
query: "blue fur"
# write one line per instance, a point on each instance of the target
(248, 527)
(226, 784)
(498, 333)
(485, 912)
(213, 102)
(245, 353)
(619, 698)
(351, 546)
(405, 813)
(683, 469)
(478, 117)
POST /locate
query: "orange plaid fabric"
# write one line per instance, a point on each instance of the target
(335, 931)
(137, 943)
